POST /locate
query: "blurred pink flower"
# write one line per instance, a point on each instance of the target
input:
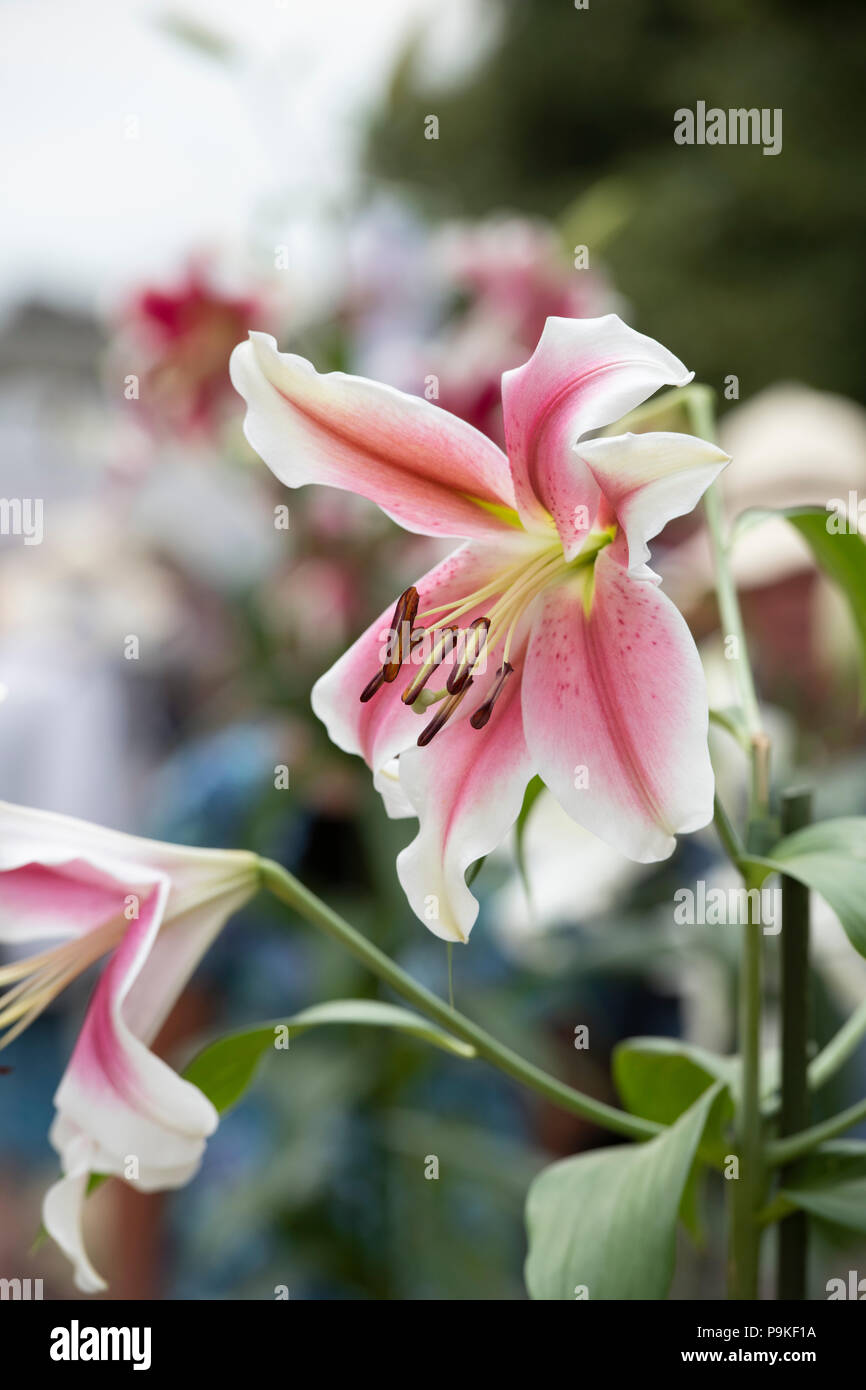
(176, 340)
(512, 275)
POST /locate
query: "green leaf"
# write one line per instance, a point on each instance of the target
(225, 1068)
(606, 1220)
(831, 1184)
(829, 857)
(660, 1078)
(531, 795)
(841, 556)
(691, 1204)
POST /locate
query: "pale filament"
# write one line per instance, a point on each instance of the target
(42, 977)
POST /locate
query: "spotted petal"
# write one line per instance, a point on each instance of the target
(467, 789)
(615, 711)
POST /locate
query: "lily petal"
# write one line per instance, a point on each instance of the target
(384, 727)
(158, 907)
(117, 1101)
(648, 479)
(615, 712)
(85, 856)
(63, 1217)
(467, 789)
(39, 901)
(424, 467)
(583, 375)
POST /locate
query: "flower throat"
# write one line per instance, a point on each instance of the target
(427, 645)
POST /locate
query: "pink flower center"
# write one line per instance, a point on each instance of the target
(467, 649)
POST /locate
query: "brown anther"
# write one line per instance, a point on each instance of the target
(445, 638)
(442, 716)
(480, 716)
(459, 678)
(372, 686)
(401, 627)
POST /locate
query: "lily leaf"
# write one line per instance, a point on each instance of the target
(531, 795)
(660, 1078)
(224, 1069)
(829, 857)
(831, 1184)
(602, 1225)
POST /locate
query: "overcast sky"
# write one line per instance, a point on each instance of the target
(123, 148)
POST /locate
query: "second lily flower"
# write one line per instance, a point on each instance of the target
(549, 644)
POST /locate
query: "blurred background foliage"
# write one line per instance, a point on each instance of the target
(751, 264)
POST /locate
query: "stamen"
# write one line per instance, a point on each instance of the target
(512, 590)
(480, 716)
(442, 716)
(476, 638)
(45, 975)
(405, 612)
(372, 686)
(457, 607)
(442, 647)
(406, 609)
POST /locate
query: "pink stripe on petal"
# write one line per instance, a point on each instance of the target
(127, 1100)
(420, 464)
(583, 375)
(70, 899)
(615, 712)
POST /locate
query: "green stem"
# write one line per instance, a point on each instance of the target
(838, 1049)
(700, 406)
(793, 1236)
(289, 891)
(747, 1188)
(785, 1150)
(726, 833)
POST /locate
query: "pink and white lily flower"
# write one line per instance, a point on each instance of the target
(561, 654)
(154, 909)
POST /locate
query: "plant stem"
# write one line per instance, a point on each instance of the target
(747, 1188)
(783, 1151)
(701, 411)
(726, 832)
(794, 1114)
(289, 890)
(838, 1049)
